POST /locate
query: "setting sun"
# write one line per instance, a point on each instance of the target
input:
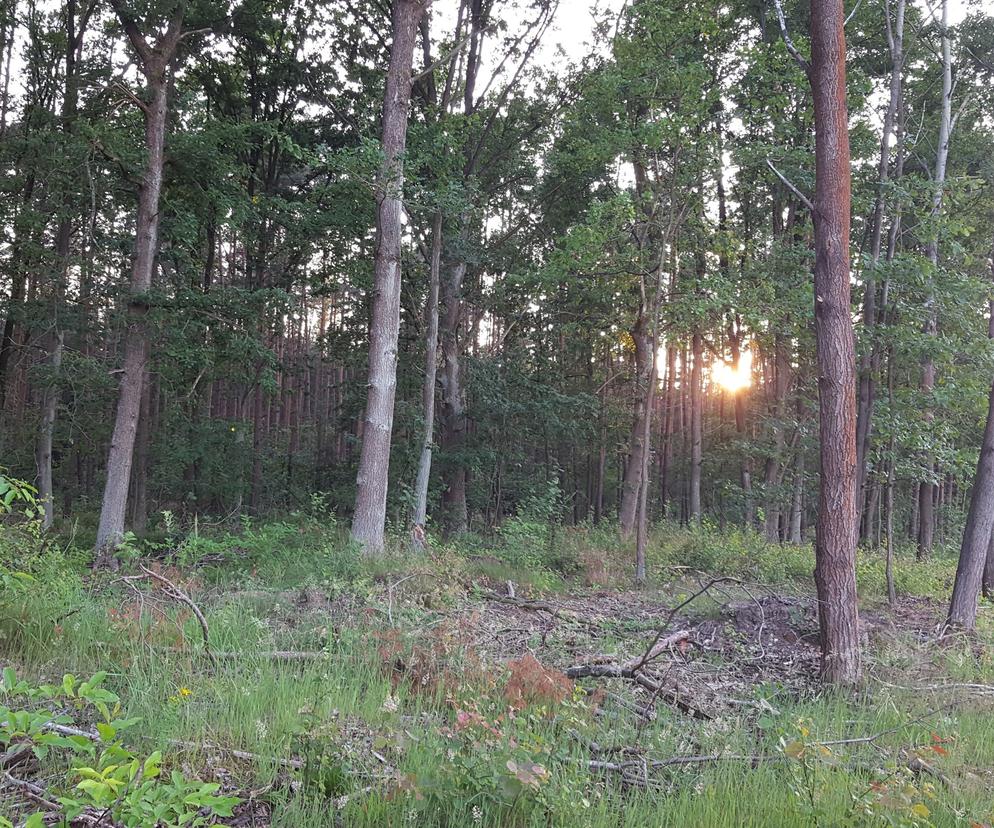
(732, 378)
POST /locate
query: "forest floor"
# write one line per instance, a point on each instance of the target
(523, 682)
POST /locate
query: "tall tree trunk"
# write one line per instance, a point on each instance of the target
(155, 64)
(927, 491)
(420, 512)
(696, 426)
(735, 346)
(374, 461)
(835, 545)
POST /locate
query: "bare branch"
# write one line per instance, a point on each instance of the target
(786, 182)
(788, 42)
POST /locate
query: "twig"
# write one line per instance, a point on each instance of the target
(175, 592)
(672, 613)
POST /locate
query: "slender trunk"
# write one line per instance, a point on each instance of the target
(927, 492)
(374, 461)
(139, 502)
(420, 514)
(43, 450)
(835, 546)
(454, 510)
(889, 500)
(797, 502)
(870, 357)
(155, 66)
(642, 338)
(696, 426)
(774, 470)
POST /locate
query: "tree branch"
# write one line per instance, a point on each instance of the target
(788, 42)
(786, 182)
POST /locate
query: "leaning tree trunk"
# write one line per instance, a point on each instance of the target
(155, 62)
(976, 534)
(374, 460)
(835, 545)
(975, 571)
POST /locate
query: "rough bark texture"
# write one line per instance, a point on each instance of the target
(835, 547)
(155, 63)
(374, 460)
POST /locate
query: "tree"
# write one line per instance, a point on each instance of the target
(155, 61)
(835, 545)
(374, 462)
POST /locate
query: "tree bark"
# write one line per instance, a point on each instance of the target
(835, 545)
(374, 460)
(155, 65)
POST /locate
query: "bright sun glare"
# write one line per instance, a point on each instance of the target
(733, 378)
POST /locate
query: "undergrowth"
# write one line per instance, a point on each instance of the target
(399, 720)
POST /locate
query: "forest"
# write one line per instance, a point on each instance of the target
(496, 413)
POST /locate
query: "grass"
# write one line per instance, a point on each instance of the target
(435, 743)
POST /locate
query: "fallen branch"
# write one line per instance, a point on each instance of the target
(67, 730)
(275, 655)
(753, 759)
(671, 695)
(918, 765)
(540, 606)
(33, 792)
(177, 594)
(296, 764)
